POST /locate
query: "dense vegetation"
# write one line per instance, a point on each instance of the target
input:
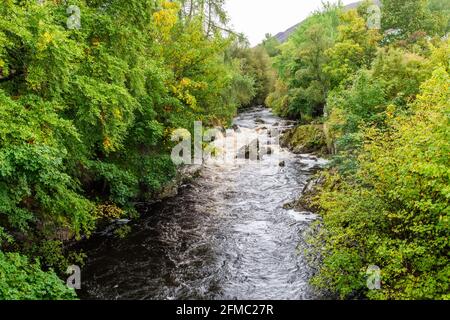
(87, 113)
(87, 110)
(383, 97)
(20, 279)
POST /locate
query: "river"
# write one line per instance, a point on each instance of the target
(224, 236)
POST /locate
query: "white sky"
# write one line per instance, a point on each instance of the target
(255, 18)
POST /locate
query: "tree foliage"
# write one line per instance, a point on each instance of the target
(301, 66)
(22, 280)
(256, 65)
(394, 211)
(87, 113)
(385, 96)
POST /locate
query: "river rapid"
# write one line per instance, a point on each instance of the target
(225, 235)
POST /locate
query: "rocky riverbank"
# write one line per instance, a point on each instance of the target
(119, 227)
(306, 139)
(306, 201)
(185, 174)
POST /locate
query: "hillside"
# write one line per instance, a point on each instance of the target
(283, 36)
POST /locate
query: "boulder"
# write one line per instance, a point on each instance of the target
(260, 121)
(305, 139)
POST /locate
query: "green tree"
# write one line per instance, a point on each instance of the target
(355, 48)
(301, 64)
(394, 212)
(271, 45)
(441, 12)
(256, 65)
(22, 280)
(405, 18)
(87, 113)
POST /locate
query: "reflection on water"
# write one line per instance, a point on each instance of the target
(225, 236)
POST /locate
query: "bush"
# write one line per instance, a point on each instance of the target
(394, 212)
(22, 280)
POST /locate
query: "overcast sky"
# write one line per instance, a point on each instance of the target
(255, 18)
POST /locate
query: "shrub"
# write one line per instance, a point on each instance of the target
(23, 280)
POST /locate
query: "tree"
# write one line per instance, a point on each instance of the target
(22, 280)
(404, 18)
(301, 64)
(394, 212)
(211, 14)
(255, 64)
(355, 48)
(271, 45)
(384, 200)
(440, 10)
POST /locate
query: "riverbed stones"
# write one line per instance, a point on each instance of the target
(260, 121)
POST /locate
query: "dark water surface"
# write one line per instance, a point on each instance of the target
(225, 236)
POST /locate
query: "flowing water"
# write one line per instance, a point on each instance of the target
(225, 236)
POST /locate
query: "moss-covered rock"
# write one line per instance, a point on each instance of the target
(184, 175)
(306, 139)
(306, 202)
